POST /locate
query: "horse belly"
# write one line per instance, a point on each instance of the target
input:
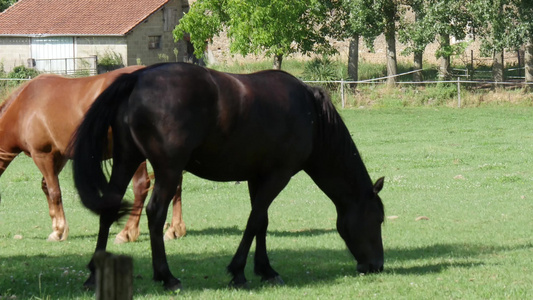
(231, 161)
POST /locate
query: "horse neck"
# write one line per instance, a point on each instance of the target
(10, 99)
(337, 167)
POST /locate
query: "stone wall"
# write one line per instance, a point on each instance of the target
(14, 51)
(161, 24)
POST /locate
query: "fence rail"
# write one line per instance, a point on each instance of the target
(66, 66)
(381, 80)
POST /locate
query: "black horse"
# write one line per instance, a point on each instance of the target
(262, 128)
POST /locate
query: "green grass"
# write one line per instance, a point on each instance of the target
(468, 171)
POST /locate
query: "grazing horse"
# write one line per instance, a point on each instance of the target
(262, 128)
(39, 119)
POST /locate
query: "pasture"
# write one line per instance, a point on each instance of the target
(458, 198)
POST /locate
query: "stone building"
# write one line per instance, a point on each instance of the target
(65, 36)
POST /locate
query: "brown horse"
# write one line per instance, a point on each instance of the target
(40, 117)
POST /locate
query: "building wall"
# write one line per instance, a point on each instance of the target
(161, 24)
(101, 46)
(14, 51)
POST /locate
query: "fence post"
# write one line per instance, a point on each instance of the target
(114, 276)
(459, 92)
(342, 92)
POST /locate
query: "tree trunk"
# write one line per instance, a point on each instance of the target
(528, 60)
(353, 60)
(389, 11)
(390, 37)
(417, 76)
(497, 67)
(418, 55)
(445, 70)
(278, 58)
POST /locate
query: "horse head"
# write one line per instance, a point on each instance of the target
(359, 224)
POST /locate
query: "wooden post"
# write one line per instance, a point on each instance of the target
(114, 276)
(459, 92)
(342, 93)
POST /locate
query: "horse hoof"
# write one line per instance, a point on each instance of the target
(175, 232)
(239, 286)
(174, 286)
(122, 238)
(54, 237)
(274, 281)
(89, 284)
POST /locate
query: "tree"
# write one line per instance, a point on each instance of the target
(523, 33)
(357, 18)
(416, 35)
(369, 18)
(4, 4)
(505, 24)
(492, 20)
(272, 27)
(442, 19)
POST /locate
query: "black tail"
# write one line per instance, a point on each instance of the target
(89, 145)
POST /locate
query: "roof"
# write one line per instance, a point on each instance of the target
(76, 17)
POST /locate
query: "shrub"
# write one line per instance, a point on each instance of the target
(21, 72)
(320, 69)
(110, 61)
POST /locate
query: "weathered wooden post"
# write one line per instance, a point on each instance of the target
(114, 276)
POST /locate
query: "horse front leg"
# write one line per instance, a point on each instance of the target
(262, 191)
(141, 185)
(177, 227)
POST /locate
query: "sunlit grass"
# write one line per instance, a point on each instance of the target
(468, 172)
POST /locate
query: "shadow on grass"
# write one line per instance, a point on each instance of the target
(63, 276)
(217, 231)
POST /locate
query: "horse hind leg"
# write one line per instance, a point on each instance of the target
(156, 211)
(50, 167)
(141, 186)
(123, 170)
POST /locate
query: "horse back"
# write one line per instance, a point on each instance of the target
(232, 126)
(43, 113)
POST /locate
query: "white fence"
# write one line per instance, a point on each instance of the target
(381, 80)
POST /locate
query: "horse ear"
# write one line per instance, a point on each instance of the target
(378, 186)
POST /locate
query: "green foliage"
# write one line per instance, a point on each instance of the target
(270, 27)
(110, 60)
(321, 69)
(4, 4)
(21, 72)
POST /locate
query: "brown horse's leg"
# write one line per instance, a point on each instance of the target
(177, 226)
(141, 184)
(50, 167)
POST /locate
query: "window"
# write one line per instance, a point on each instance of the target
(154, 42)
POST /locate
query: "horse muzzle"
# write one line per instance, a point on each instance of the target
(370, 268)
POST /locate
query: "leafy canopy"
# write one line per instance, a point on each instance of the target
(270, 27)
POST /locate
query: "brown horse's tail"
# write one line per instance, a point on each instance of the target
(89, 145)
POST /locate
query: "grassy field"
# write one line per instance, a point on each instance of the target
(459, 206)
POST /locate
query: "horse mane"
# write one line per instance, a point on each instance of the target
(334, 142)
(332, 132)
